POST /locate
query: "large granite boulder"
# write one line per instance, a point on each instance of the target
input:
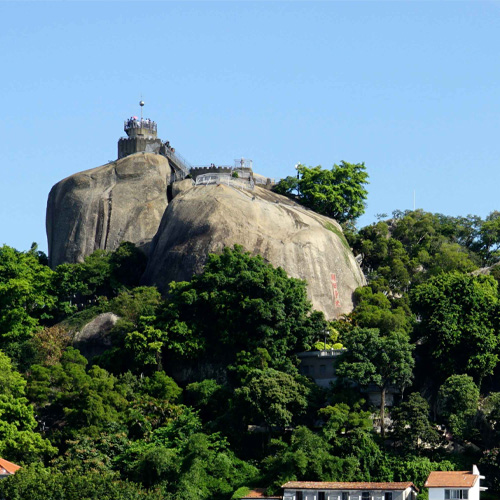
(94, 338)
(204, 219)
(99, 208)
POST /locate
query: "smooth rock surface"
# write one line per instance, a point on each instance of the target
(205, 219)
(99, 208)
(93, 338)
(180, 186)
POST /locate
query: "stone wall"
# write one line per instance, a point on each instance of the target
(130, 145)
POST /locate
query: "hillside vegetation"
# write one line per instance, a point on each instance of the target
(119, 426)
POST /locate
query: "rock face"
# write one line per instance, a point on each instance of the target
(99, 208)
(180, 186)
(204, 219)
(126, 200)
(93, 338)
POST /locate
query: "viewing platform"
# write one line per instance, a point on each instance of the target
(228, 180)
(142, 136)
(239, 174)
(140, 127)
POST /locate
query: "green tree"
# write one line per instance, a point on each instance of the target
(161, 386)
(208, 397)
(406, 249)
(135, 303)
(340, 420)
(384, 259)
(308, 457)
(491, 411)
(185, 462)
(147, 343)
(338, 193)
(38, 483)
(240, 303)
(490, 467)
(101, 274)
(458, 323)
(376, 310)
(273, 397)
(451, 257)
(350, 431)
(415, 469)
(86, 454)
(490, 238)
(458, 400)
(210, 469)
(49, 344)
(66, 393)
(18, 438)
(411, 428)
(25, 294)
(128, 264)
(373, 359)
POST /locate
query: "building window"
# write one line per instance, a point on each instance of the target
(388, 495)
(345, 495)
(321, 495)
(305, 370)
(456, 494)
(322, 369)
(298, 495)
(365, 495)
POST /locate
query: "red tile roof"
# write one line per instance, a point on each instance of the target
(320, 485)
(452, 479)
(258, 493)
(7, 467)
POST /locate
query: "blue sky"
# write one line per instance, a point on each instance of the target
(410, 88)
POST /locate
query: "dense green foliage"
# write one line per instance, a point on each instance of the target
(412, 429)
(380, 360)
(338, 193)
(459, 323)
(201, 394)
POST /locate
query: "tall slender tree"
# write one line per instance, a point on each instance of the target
(373, 359)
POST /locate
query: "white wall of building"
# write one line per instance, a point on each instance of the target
(289, 494)
(438, 493)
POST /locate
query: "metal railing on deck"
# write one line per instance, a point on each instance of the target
(228, 180)
(178, 160)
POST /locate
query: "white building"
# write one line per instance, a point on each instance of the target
(306, 490)
(454, 485)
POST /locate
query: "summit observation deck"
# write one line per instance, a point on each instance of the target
(140, 127)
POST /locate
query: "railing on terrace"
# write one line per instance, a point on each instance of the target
(229, 167)
(323, 353)
(263, 180)
(138, 123)
(243, 163)
(228, 180)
